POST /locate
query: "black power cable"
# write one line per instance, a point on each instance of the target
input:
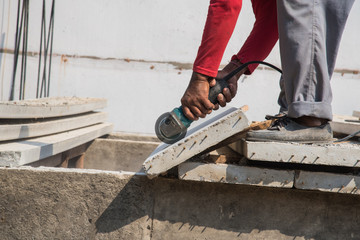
(244, 65)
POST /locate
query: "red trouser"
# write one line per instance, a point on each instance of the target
(220, 24)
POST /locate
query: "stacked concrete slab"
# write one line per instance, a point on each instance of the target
(32, 130)
(205, 189)
(258, 163)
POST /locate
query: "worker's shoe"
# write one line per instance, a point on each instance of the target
(285, 129)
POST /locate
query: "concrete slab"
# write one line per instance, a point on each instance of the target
(11, 130)
(59, 159)
(356, 114)
(196, 141)
(27, 151)
(234, 174)
(342, 154)
(345, 124)
(49, 107)
(237, 145)
(118, 154)
(328, 182)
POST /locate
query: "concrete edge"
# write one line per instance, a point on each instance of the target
(327, 182)
(74, 170)
(234, 174)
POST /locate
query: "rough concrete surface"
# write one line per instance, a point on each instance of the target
(342, 154)
(234, 174)
(328, 182)
(24, 152)
(118, 154)
(16, 129)
(49, 107)
(73, 205)
(48, 203)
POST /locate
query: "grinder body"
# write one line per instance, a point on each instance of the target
(172, 126)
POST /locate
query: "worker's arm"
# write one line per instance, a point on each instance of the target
(220, 23)
(216, 35)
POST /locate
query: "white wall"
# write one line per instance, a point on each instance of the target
(158, 32)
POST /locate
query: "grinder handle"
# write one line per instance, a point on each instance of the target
(217, 89)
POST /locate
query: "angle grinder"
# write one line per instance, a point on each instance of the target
(172, 126)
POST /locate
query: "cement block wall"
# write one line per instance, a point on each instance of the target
(38, 203)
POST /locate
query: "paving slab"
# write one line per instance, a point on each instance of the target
(345, 124)
(341, 154)
(19, 129)
(234, 174)
(49, 107)
(328, 182)
(31, 150)
(196, 141)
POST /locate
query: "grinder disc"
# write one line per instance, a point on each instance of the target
(161, 136)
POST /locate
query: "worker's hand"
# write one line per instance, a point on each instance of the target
(195, 102)
(229, 93)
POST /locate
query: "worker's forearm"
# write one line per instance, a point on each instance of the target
(220, 24)
(263, 36)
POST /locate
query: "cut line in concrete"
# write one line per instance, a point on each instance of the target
(49, 107)
(196, 141)
(345, 124)
(31, 150)
(328, 182)
(41, 127)
(342, 154)
(234, 174)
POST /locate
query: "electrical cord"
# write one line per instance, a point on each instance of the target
(244, 65)
(347, 137)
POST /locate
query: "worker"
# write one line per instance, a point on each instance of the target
(309, 33)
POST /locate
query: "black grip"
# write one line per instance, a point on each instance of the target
(218, 88)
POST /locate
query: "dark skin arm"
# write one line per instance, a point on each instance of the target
(195, 100)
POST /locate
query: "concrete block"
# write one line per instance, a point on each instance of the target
(345, 124)
(328, 182)
(57, 203)
(342, 154)
(118, 154)
(31, 128)
(196, 141)
(234, 174)
(356, 114)
(49, 107)
(27, 151)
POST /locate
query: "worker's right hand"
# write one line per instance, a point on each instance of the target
(195, 102)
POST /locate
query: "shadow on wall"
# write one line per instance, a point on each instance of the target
(173, 209)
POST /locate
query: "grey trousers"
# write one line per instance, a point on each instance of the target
(309, 36)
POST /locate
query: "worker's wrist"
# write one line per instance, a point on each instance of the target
(200, 77)
(234, 64)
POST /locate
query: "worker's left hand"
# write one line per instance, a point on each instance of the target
(228, 93)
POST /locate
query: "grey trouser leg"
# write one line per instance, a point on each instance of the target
(309, 36)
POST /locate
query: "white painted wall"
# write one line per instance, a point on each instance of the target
(155, 31)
